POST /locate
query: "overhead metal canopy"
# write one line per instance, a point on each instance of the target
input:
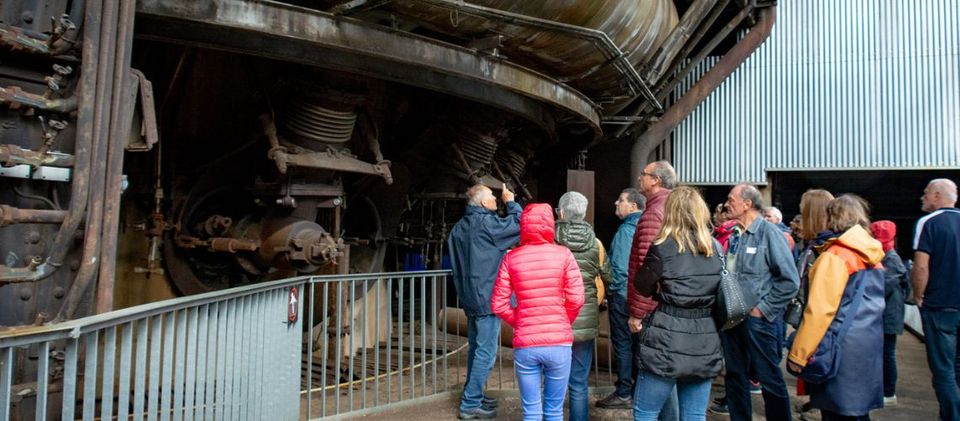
(291, 33)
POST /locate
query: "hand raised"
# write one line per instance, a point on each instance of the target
(507, 195)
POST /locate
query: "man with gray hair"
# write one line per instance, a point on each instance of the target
(936, 286)
(578, 236)
(656, 181)
(765, 269)
(477, 244)
(775, 217)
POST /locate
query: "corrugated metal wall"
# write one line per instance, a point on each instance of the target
(840, 84)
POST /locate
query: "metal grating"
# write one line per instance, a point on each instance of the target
(840, 84)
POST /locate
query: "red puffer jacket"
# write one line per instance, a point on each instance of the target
(546, 280)
(647, 230)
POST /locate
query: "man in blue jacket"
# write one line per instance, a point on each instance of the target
(477, 244)
(766, 271)
(629, 207)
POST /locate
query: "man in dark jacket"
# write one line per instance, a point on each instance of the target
(765, 269)
(629, 207)
(477, 244)
(655, 181)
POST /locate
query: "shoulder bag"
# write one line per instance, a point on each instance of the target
(730, 307)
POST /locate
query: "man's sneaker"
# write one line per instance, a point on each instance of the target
(719, 407)
(890, 400)
(755, 388)
(614, 402)
(489, 403)
(477, 414)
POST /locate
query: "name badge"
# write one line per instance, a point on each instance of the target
(751, 250)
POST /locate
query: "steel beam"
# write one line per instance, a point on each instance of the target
(296, 34)
(646, 142)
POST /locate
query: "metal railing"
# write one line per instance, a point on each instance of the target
(298, 348)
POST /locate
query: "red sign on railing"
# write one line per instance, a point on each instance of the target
(293, 310)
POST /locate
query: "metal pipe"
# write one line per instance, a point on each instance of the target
(90, 258)
(600, 39)
(10, 215)
(651, 138)
(695, 40)
(118, 130)
(11, 155)
(15, 97)
(678, 38)
(641, 109)
(667, 85)
(78, 193)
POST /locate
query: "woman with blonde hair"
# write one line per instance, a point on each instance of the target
(836, 347)
(680, 345)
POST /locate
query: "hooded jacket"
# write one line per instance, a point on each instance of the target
(647, 230)
(896, 280)
(858, 385)
(546, 281)
(578, 236)
(477, 244)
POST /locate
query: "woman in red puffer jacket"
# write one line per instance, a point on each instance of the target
(548, 285)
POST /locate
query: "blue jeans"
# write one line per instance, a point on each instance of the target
(579, 371)
(551, 362)
(624, 343)
(940, 328)
(755, 347)
(889, 365)
(653, 391)
(483, 337)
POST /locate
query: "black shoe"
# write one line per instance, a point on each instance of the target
(614, 402)
(488, 402)
(477, 414)
(719, 408)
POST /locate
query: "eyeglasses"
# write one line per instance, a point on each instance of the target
(648, 175)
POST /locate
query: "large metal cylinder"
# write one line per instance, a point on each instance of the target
(637, 27)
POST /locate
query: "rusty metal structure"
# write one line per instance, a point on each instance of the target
(165, 147)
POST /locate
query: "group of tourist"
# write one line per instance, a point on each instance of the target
(833, 276)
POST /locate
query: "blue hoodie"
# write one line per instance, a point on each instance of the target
(477, 244)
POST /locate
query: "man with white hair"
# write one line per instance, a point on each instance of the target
(936, 286)
(477, 244)
(578, 236)
(775, 217)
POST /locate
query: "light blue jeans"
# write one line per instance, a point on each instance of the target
(551, 362)
(483, 337)
(651, 391)
(578, 387)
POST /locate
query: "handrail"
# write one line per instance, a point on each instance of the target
(77, 327)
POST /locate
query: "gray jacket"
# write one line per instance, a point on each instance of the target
(766, 269)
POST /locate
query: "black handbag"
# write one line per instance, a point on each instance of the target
(730, 308)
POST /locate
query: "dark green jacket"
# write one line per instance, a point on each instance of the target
(578, 236)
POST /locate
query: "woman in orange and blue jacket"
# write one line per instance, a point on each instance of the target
(845, 289)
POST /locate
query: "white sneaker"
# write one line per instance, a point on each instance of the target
(890, 400)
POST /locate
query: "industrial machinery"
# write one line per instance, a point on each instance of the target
(164, 147)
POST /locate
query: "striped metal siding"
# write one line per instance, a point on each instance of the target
(840, 84)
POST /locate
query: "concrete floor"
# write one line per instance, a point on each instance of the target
(915, 394)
